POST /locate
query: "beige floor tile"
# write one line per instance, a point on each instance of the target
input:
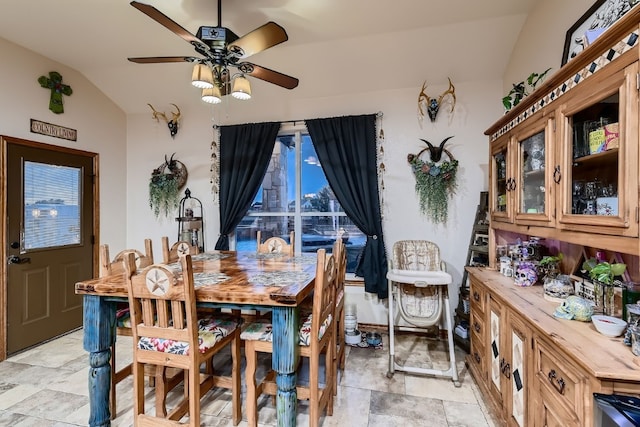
(439, 388)
(51, 381)
(464, 414)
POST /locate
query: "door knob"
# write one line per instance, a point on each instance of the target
(15, 259)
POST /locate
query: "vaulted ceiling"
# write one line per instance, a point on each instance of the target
(334, 46)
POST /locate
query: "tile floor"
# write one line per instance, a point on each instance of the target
(47, 386)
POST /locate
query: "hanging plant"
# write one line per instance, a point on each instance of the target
(435, 181)
(164, 187)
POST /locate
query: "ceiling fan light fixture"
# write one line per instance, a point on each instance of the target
(212, 95)
(202, 76)
(241, 88)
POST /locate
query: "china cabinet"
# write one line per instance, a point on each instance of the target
(563, 167)
(564, 161)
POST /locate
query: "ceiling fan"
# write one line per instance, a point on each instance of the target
(222, 49)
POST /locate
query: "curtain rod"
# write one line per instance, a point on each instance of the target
(379, 115)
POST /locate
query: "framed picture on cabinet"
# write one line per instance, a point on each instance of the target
(600, 16)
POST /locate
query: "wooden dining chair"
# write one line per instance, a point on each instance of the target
(340, 255)
(315, 340)
(179, 248)
(167, 332)
(276, 244)
(116, 266)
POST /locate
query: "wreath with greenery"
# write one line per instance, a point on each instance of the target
(435, 184)
(164, 187)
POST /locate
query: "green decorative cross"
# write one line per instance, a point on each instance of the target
(54, 82)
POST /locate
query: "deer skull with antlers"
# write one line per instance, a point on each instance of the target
(432, 104)
(173, 123)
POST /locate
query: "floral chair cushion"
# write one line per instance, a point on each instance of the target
(210, 331)
(123, 318)
(262, 331)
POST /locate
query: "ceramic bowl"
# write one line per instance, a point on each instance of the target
(374, 338)
(608, 325)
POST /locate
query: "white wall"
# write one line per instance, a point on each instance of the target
(541, 40)
(100, 124)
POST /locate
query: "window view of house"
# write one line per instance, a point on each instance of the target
(295, 196)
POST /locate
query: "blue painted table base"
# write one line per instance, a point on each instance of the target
(99, 325)
(285, 359)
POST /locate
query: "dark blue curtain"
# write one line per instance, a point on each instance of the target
(245, 151)
(346, 148)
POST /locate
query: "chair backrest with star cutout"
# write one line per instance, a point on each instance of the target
(162, 306)
(110, 267)
(276, 245)
(177, 250)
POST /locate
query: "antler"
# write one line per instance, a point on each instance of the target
(173, 123)
(157, 114)
(176, 116)
(436, 152)
(432, 104)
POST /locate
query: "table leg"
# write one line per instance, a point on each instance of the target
(99, 318)
(285, 359)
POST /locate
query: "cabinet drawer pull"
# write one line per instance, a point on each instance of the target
(506, 370)
(476, 296)
(558, 384)
(476, 356)
(477, 327)
(557, 175)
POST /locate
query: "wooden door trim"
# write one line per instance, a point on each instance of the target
(4, 142)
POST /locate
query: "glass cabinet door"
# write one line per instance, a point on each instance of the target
(501, 180)
(534, 204)
(601, 164)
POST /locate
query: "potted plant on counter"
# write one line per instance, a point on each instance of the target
(603, 273)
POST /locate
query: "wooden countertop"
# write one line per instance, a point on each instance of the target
(601, 356)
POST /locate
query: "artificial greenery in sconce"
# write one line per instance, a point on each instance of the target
(164, 187)
(522, 89)
(435, 181)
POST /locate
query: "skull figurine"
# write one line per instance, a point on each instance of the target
(575, 308)
(526, 274)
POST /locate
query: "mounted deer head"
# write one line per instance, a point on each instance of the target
(433, 105)
(173, 123)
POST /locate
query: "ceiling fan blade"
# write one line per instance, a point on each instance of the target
(268, 75)
(163, 59)
(264, 37)
(164, 20)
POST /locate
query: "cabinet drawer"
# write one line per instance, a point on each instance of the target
(477, 298)
(477, 359)
(477, 326)
(558, 380)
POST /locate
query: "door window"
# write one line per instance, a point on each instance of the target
(51, 206)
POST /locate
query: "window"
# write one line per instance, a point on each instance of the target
(295, 196)
(51, 206)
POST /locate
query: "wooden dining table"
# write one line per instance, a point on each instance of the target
(225, 279)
